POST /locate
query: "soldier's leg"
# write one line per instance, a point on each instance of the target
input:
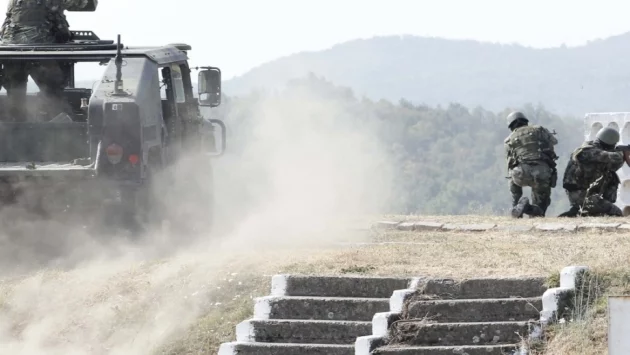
(576, 200)
(15, 80)
(516, 191)
(598, 206)
(51, 81)
(519, 202)
(541, 197)
(516, 184)
(539, 178)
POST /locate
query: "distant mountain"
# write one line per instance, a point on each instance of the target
(593, 77)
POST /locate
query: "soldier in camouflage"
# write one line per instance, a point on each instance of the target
(590, 179)
(36, 22)
(531, 162)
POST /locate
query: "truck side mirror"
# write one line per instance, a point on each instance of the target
(209, 87)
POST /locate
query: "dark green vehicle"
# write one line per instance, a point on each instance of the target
(126, 130)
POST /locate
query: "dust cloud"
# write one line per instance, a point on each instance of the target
(298, 168)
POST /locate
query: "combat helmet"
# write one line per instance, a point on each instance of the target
(516, 115)
(608, 135)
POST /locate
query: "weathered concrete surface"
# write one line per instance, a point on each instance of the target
(447, 350)
(319, 308)
(450, 227)
(483, 288)
(542, 226)
(238, 348)
(366, 344)
(406, 226)
(302, 331)
(624, 227)
(476, 227)
(599, 226)
(334, 286)
(556, 227)
(386, 224)
(515, 228)
(427, 226)
(449, 334)
(469, 227)
(477, 310)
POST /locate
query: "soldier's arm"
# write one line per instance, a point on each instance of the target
(614, 160)
(551, 137)
(508, 154)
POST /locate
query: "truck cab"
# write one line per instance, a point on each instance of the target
(135, 120)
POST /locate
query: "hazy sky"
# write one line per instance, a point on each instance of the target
(237, 35)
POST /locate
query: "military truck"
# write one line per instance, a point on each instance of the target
(102, 157)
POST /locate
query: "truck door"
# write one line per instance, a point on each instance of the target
(172, 92)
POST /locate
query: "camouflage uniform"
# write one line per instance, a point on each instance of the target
(591, 180)
(531, 162)
(35, 22)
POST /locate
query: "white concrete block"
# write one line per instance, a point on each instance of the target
(262, 307)
(279, 285)
(618, 325)
(228, 349)
(366, 344)
(550, 301)
(397, 300)
(415, 282)
(568, 276)
(382, 321)
(245, 332)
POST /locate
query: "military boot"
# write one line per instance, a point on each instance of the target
(519, 209)
(533, 211)
(573, 212)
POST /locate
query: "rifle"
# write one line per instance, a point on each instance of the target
(626, 152)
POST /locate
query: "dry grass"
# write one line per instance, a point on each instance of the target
(232, 281)
(585, 329)
(445, 254)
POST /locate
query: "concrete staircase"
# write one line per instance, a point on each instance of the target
(472, 317)
(310, 315)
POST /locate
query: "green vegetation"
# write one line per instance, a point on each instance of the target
(448, 160)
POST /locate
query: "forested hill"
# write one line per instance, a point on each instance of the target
(448, 160)
(575, 80)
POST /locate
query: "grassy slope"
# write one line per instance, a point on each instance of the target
(441, 254)
(232, 281)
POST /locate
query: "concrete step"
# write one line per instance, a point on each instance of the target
(484, 288)
(450, 334)
(319, 308)
(447, 350)
(238, 348)
(302, 331)
(479, 310)
(335, 286)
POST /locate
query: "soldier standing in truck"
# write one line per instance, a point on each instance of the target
(37, 22)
